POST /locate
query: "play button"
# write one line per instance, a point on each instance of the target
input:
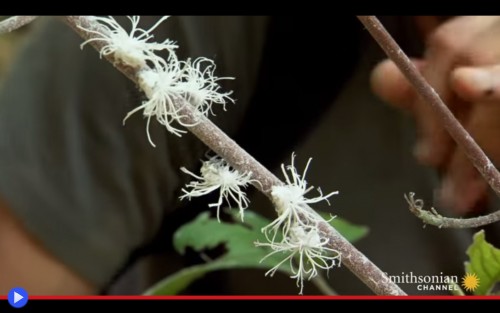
(17, 297)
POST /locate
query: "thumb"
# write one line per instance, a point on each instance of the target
(477, 83)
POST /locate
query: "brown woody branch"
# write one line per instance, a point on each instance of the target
(227, 148)
(15, 22)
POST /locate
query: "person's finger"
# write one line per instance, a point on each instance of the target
(477, 83)
(459, 41)
(463, 187)
(391, 86)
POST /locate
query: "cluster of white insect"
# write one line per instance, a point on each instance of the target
(217, 174)
(169, 84)
(305, 251)
(131, 48)
(295, 231)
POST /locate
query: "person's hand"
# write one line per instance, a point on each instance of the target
(460, 63)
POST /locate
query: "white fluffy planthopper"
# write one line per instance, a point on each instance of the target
(217, 174)
(169, 84)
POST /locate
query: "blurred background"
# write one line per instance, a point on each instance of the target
(360, 147)
(9, 43)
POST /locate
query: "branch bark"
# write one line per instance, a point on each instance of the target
(432, 217)
(15, 22)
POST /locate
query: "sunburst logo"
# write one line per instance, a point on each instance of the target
(470, 282)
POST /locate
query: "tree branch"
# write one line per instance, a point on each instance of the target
(227, 148)
(15, 22)
(454, 128)
(434, 218)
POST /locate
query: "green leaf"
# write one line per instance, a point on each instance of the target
(238, 238)
(205, 233)
(484, 261)
(177, 282)
(350, 231)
